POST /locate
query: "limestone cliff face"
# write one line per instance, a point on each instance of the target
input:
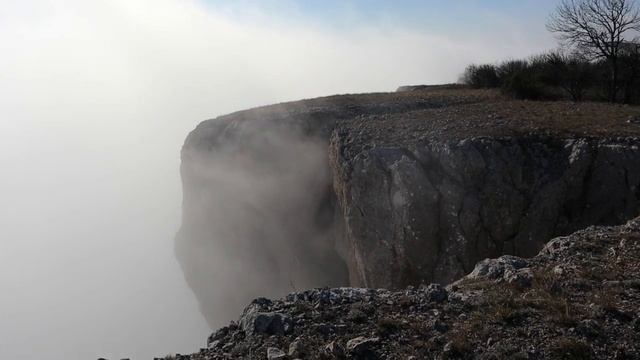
(430, 212)
(388, 190)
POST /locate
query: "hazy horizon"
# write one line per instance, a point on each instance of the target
(96, 99)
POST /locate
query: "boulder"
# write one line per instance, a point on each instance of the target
(254, 321)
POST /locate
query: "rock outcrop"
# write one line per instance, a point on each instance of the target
(392, 190)
(582, 301)
(430, 210)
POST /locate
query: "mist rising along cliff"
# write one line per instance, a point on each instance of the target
(391, 190)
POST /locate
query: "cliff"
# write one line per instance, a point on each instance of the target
(393, 190)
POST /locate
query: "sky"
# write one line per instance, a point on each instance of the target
(96, 98)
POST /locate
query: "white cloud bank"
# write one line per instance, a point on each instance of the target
(96, 98)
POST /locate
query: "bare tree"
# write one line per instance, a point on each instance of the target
(598, 28)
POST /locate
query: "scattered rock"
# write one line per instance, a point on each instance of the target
(636, 324)
(589, 328)
(508, 268)
(454, 350)
(297, 348)
(362, 347)
(440, 326)
(522, 278)
(215, 338)
(356, 315)
(275, 354)
(333, 350)
(436, 293)
(271, 323)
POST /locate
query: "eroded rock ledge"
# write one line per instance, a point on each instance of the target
(392, 190)
(577, 299)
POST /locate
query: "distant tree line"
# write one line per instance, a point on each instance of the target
(598, 60)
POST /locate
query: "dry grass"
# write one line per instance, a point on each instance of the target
(386, 326)
(460, 347)
(567, 348)
(513, 307)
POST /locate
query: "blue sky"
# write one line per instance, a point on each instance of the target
(428, 15)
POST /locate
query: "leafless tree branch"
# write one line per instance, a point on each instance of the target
(598, 28)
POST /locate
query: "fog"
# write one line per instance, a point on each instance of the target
(258, 213)
(96, 98)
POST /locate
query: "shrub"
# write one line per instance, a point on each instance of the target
(630, 73)
(572, 73)
(481, 76)
(524, 85)
(510, 68)
(562, 75)
(521, 79)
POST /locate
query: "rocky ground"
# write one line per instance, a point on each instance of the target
(579, 298)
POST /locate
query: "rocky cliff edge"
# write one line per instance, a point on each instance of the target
(393, 190)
